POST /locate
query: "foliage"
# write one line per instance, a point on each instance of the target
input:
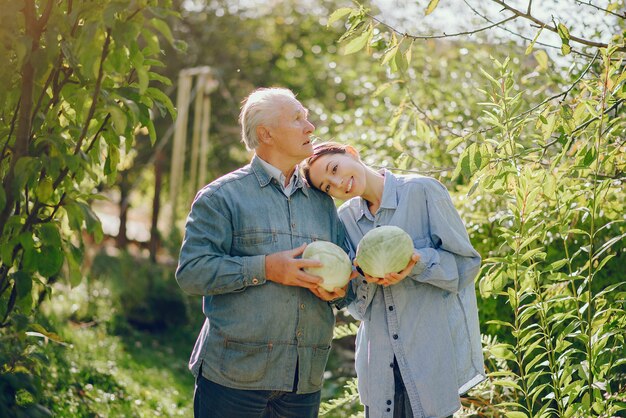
(548, 171)
(152, 300)
(107, 367)
(78, 84)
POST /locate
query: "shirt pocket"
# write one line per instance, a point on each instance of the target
(253, 241)
(319, 357)
(245, 362)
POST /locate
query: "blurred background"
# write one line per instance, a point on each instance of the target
(116, 112)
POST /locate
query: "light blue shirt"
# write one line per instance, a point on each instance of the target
(257, 332)
(429, 320)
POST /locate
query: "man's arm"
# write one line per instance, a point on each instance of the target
(207, 268)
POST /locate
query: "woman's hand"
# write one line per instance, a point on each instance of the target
(392, 278)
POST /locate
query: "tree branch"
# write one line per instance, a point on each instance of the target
(444, 35)
(11, 129)
(540, 23)
(22, 135)
(519, 35)
(96, 93)
(621, 16)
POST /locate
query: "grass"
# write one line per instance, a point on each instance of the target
(106, 368)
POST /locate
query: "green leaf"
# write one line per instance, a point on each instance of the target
(23, 284)
(75, 215)
(49, 235)
(542, 59)
(557, 264)
(455, 143)
(151, 132)
(401, 61)
(92, 221)
(502, 351)
(390, 54)
(42, 331)
(432, 5)
(357, 43)
(338, 14)
(158, 77)
(507, 383)
(118, 117)
(3, 198)
(51, 261)
(532, 44)
(44, 189)
(143, 78)
(564, 34)
(161, 97)
(162, 27)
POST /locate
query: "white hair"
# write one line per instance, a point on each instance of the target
(259, 108)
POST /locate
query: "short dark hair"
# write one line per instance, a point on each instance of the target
(319, 150)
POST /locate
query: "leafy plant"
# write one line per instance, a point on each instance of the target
(545, 172)
(77, 85)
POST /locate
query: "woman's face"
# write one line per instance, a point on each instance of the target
(340, 175)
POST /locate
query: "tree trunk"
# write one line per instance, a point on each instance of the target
(156, 205)
(121, 240)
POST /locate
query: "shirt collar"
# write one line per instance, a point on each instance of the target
(390, 196)
(265, 172)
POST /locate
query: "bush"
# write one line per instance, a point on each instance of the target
(149, 297)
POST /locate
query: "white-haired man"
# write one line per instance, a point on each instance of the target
(266, 338)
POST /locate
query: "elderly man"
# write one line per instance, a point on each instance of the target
(266, 338)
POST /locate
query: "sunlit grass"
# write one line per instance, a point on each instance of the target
(108, 369)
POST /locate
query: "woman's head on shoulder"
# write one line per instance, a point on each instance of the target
(335, 169)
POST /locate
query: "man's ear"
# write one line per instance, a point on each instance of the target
(263, 134)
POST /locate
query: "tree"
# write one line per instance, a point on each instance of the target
(77, 85)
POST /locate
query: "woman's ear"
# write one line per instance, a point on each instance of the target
(352, 151)
(263, 134)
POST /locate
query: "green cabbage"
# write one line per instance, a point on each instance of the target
(336, 267)
(386, 249)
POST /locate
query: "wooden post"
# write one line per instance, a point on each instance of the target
(197, 126)
(179, 144)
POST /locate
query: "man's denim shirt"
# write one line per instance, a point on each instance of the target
(429, 320)
(256, 331)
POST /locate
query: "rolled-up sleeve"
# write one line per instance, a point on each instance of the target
(452, 263)
(205, 265)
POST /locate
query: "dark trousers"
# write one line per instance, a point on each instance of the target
(211, 400)
(401, 403)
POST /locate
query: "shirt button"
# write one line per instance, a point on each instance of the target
(395, 336)
(391, 365)
(388, 402)
(255, 281)
(299, 333)
(388, 409)
(391, 308)
(302, 306)
(293, 225)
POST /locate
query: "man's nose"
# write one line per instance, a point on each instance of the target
(309, 127)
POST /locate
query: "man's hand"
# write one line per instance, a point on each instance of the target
(337, 293)
(284, 268)
(392, 278)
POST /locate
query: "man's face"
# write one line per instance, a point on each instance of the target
(291, 131)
